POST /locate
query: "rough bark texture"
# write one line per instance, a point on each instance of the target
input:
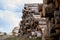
(42, 17)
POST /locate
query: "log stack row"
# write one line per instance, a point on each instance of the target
(42, 17)
(51, 9)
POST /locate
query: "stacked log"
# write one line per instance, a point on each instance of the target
(33, 19)
(52, 12)
(30, 18)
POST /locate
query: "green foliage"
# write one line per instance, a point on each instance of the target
(5, 33)
(12, 38)
(38, 38)
(18, 38)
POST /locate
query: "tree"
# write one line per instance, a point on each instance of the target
(5, 33)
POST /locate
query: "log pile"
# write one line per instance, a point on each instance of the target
(42, 17)
(52, 11)
(30, 19)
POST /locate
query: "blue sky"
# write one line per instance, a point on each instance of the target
(11, 12)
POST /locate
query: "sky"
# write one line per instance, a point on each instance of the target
(11, 13)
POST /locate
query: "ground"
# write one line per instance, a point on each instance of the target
(3, 37)
(20, 38)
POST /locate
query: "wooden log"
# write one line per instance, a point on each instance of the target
(40, 7)
(44, 1)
